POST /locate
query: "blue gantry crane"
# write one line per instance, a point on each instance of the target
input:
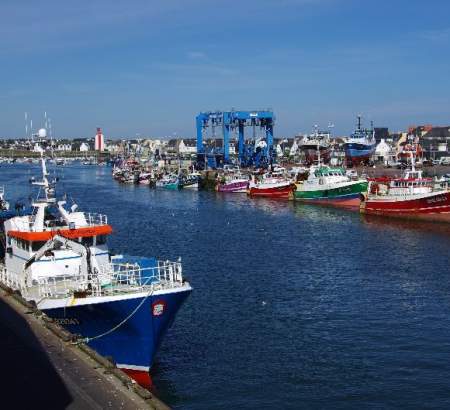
(256, 151)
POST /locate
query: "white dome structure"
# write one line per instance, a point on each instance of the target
(42, 133)
(382, 148)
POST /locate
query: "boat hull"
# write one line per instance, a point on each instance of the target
(281, 192)
(311, 154)
(356, 154)
(233, 187)
(171, 185)
(133, 345)
(434, 207)
(345, 196)
(193, 186)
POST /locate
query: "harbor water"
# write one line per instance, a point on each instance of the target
(293, 306)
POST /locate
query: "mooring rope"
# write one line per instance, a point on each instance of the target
(89, 339)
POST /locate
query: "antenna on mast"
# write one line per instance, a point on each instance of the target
(51, 137)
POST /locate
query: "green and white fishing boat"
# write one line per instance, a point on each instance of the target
(330, 186)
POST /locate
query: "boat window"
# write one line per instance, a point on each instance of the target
(22, 244)
(36, 245)
(101, 239)
(88, 241)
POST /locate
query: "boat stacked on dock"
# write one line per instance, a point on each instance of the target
(360, 146)
(121, 305)
(317, 141)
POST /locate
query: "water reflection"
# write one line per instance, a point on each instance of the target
(383, 223)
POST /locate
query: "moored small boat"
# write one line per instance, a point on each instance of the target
(168, 182)
(190, 181)
(144, 178)
(233, 183)
(271, 185)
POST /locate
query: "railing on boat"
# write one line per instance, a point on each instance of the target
(111, 279)
(95, 219)
(12, 280)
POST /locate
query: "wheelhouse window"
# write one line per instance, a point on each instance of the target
(22, 244)
(36, 245)
(101, 239)
(88, 241)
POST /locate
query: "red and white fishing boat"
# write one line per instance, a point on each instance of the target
(411, 196)
(271, 185)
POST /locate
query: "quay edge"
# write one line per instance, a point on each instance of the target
(99, 378)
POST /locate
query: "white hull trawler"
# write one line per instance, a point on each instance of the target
(58, 258)
(4, 204)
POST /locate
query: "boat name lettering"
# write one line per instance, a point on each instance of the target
(67, 321)
(438, 198)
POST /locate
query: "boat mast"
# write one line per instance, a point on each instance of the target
(316, 133)
(413, 162)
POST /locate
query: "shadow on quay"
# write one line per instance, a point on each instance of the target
(28, 378)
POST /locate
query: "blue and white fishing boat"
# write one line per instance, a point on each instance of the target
(122, 306)
(360, 146)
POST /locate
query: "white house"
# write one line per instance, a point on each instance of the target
(187, 148)
(84, 147)
(384, 152)
(294, 148)
(38, 148)
(64, 147)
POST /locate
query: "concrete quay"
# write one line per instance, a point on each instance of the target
(42, 368)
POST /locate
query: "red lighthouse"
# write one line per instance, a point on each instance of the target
(99, 141)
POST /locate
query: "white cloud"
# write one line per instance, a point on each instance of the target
(196, 55)
(436, 36)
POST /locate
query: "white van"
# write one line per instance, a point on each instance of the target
(444, 161)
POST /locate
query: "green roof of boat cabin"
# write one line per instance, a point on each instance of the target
(327, 171)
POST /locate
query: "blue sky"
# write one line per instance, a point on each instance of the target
(148, 67)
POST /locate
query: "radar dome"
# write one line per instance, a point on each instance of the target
(42, 133)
